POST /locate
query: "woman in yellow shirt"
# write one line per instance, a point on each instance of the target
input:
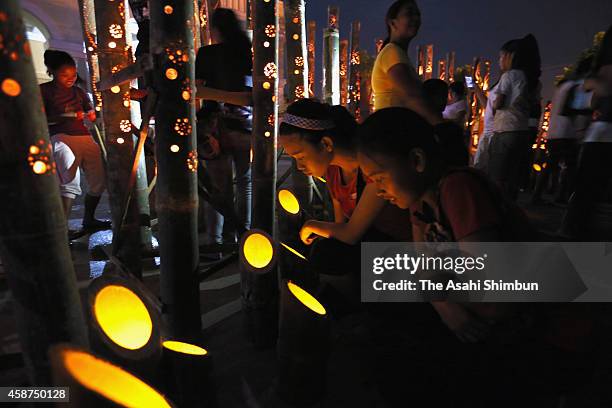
(394, 80)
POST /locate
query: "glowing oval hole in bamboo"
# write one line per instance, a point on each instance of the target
(288, 201)
(111, 381)
(115, 89)
(537, 167)
(306, 298)
(184, 348)
(258, 250)
(34, 149)
(123, 317)
(120, 140)
(266, 85)
(11, 87)
(171, 74)
(112, 44)
(168, 9)
(174, 148)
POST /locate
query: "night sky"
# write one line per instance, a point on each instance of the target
(563, 28)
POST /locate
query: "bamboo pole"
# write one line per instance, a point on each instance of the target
(331, 58)
(113, 55)
(312, 34)
(429, 58)
(354, 102)
(298, 71)
(450, 65)
(344, 49)
(33, 235)
(259, 290)
(175, 148)
(442, 69)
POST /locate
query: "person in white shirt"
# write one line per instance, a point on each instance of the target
(509, 144)
(594, 174)
(456, 106)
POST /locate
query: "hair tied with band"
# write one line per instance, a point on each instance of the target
(307, 123)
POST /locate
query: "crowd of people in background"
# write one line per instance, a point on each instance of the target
(405, 174)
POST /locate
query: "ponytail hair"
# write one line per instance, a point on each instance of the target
(526, 57)
(55, 59)
(394, 132)
(342, 132)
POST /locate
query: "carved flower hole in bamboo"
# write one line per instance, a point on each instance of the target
(270, 30)
(125, 125)
(115, 30)
(182, 127)
(192, 161)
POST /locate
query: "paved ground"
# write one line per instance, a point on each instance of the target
(245, 377)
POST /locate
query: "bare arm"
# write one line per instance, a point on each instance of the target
(338, 213)
(350, 232)
(413, 93)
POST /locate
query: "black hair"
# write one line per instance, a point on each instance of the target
(458, 88)
(343, 134)
(604, 55)
(392, 13)
(394, 132)
(436, 92)
(526, 57)
(230, 28)
(55, 59)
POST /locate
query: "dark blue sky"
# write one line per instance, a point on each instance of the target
(479, 27)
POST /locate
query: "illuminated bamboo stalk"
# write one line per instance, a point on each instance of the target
(259, 291)
(429, 57)
(175, 148)
(450, 66)
(204, 20)
(442, 69)
(344, 48)
(88, 23)
(265, 112)
(113, 55)
(420, 61)
(312, 35)
(33, 244)
(298, 70)
(331, 58)
(354, 102)
(297, 58)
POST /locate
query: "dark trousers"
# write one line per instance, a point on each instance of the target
(592, 182)
(506, 153)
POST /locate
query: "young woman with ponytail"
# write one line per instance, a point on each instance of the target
(395, 81)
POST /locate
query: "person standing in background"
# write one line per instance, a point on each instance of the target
(66, 106)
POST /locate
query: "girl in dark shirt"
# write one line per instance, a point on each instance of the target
(224, 130)
(66, 106)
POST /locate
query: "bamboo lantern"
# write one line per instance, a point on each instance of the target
(344, 45)
(293, 264)
(125, 324)
(259, 288)
(420, 61)
(175, 149)
(303, 346)
(95, 382)
(450, 66)
(331, 58)
(187, 372)
(442, 70)
(33, 244)
(299, 69)
(354, 102)
(113, 56)
(312, 33)
(429, 61)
